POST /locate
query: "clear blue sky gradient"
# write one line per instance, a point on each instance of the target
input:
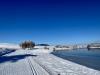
(50, 21)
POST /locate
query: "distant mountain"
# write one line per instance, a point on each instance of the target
(42, 45)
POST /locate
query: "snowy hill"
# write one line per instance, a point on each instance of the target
(9, 46)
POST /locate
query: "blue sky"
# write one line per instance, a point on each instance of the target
(50, 21)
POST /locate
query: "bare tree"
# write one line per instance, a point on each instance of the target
(27, 44)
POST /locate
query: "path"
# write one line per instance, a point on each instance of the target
(20, 63)
(37, 62)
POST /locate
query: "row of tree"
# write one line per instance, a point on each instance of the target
(96, 45)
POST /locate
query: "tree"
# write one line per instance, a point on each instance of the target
(27, 44)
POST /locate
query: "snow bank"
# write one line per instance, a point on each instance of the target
(5, 51)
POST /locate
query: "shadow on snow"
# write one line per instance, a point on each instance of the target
(14, 58)
(7, 51)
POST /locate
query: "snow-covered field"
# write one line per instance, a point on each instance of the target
(20, 62)
(40, 62)
(9, 46)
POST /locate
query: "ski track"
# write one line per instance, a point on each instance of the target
(55, 65)
(42, 64)
(24, 66)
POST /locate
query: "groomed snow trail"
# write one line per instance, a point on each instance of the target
(20, 62)
(55, 65)
(40, 62)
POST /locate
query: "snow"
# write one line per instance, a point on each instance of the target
(9, 46)
(56, 65)
(12, 67)
(4, 51)
(20, 62)
(39, 62)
